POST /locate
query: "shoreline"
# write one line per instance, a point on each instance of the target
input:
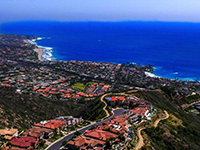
(40, 52)
(45, 53)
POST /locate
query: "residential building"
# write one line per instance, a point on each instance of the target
(52, 124)
(24, 142)
(86, 143)
(8, 133)
(99, 134)
(39, 132)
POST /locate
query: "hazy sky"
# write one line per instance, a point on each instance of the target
(100, 10)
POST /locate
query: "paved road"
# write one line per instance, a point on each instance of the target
(57, 145)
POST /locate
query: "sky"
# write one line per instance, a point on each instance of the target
(100, 10)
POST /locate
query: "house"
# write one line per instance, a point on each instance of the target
(24, 142)
(55, 125)
(70, 120)
(131, 101)
(8, 133)
(85, 143)
(135, 117)
(145, 104)
(100, 134)
(117, 100)
(140, 110)
(4, 147)
(39, 132)
(116, 125)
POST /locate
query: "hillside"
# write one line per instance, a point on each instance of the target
(22, 111)
(180, 131)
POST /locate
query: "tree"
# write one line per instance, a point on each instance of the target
(64, 143)
(42, 142)
(93, 127)
(77, 133)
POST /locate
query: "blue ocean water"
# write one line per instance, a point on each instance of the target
(172, 48)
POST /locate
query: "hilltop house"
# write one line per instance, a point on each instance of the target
(55, 125)
(24, 142)
(39, 132)
(8, 133)
(70, 120)
(116, 125)
(99, 134)
(85, 143)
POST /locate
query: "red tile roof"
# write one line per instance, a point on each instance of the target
(100, 134)
(12, 148)
(139, 110)
(24, 141)
(52, 124)
(37, 131)
(115, 98)
(118, 120)
(82, 140)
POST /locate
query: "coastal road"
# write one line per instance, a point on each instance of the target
(56, 145)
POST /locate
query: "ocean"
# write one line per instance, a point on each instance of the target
(172, 48)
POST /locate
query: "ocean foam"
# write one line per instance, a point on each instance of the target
(47, 55)
(39, 38)
(47, 51)
(175, 73)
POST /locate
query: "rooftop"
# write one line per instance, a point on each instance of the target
(100, 134)
(52, 124)
(37, 131)
(82, 140)
(139, 110)
(8, 131)
(24, 141)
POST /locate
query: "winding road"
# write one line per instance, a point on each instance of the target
(57, 144)
(141, 140)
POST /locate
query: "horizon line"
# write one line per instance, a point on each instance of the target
(122, 21)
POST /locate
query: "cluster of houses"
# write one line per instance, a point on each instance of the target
(141, 108)
(17, 55)
(126, 101)
(30, 139)
(46, 82)
(16, 46)
(67, 92)
(95, 70)
(97, 137)
(19, 70)
(143, 111)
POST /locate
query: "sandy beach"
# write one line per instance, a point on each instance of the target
(40, 52)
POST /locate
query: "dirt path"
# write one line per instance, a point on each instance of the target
(158, 120)
(141, 140)
(104, 108)
(188, 105)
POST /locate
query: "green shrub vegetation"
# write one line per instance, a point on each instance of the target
(79, 86)
(24, 110)
(183, 133)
